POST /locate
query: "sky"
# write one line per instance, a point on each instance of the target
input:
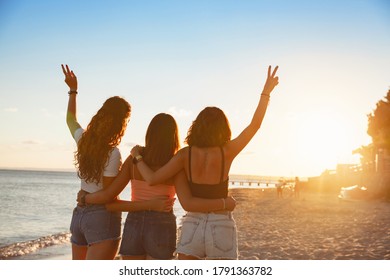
(181, 56)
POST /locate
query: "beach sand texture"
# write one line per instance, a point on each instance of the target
(314, 226)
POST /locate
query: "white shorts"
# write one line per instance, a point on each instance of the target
(208, 236)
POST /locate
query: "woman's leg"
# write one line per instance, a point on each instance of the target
(105, 250)
(141, 257)
(79, 252)
(102, 231)
(187, 257)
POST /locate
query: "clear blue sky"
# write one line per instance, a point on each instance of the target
(180, 56)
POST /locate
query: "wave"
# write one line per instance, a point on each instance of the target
(27, 247)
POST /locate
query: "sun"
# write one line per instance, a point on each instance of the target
(323, 140)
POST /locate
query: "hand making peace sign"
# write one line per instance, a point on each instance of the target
(271, 81)
(70, 78)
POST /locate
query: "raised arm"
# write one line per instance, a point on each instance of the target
(234, 147)
(169, 170)
(71, 81)
(196, 204)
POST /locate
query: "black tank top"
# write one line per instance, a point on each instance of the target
(219, 190)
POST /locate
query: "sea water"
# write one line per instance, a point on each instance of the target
(36, 210)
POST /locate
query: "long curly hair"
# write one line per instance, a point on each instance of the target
(211, 128)
(161, 140)
(103, 133)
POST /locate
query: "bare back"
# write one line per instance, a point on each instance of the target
(206, 166)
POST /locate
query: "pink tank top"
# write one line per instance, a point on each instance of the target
(140, 190)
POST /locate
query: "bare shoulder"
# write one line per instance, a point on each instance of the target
(182, 153)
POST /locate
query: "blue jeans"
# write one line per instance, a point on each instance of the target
(149, 233)
(93, 224)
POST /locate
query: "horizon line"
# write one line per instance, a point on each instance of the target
(235, 176)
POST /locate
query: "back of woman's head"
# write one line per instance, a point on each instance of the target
(210, 128)
(104, 132)
(161, 140)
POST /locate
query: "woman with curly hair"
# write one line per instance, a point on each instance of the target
(96, 231)
(206, 162)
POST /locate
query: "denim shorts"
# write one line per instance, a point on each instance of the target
(149, 233)
(93, 224)
(208, 236)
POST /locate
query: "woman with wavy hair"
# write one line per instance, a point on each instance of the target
(206, 162)
(96, 231)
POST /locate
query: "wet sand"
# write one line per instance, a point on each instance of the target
(311, 227)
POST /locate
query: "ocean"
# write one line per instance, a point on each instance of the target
(36, 209)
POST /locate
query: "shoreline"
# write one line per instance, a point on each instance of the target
(55, 252)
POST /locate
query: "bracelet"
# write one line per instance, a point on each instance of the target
(224, 204)
(263, 94)
(72, 91)
(137, 159)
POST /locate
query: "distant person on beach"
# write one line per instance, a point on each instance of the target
(297, 187)
(279, 188)
(206, 162)
(150, 234)
(96, 231)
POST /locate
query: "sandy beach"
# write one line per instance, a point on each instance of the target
(314, 226)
